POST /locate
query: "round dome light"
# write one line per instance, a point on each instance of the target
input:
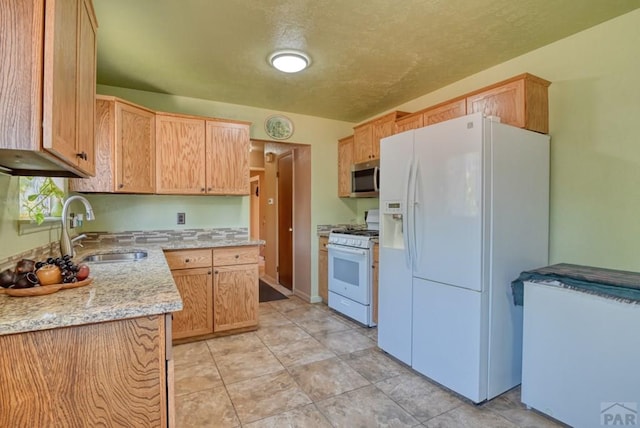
(289, 61)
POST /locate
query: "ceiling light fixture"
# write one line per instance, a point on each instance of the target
(289, 61)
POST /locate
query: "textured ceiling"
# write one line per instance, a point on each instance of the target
(368, 55)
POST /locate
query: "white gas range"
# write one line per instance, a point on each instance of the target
(351, 270)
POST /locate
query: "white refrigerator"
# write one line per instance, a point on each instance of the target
(465, 209)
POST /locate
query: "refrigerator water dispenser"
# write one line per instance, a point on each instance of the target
(392, 223)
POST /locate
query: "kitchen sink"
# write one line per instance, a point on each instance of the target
(130, 256)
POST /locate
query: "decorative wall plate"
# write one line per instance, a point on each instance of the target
(278, 127)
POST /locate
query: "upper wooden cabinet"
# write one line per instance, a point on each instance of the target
(345, 160)
(180, 154)
(47, 110)
(125, 149)
(227, 157)
(409, 122)
(366, 143)
(195, 155)
(521, 101)
(444, 111)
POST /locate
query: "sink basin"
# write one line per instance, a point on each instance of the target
(130, 256)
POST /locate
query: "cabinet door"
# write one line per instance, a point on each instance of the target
(180, 155)
(135, 149)
(408, 123)
(323, 269)
(60, 79)
(196, 317)
(381, 128)
(445, 112)
(235, 293)
(345, 160)
(362, 137)
(86, 88)
(227, 158)
(506, 102)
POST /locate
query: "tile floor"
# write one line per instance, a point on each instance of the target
(307, 366)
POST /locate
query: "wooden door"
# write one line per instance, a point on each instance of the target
(180, 155)
(60, 79)
(254, 208)
(196, 317)
(86, 103)
(345, 160)
(285, 220)
(227, 158)
(135, 149)
(235, 291)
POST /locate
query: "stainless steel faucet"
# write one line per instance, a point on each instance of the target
(66, 244)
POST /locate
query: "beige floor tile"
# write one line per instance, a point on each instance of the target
(280, 334)
(246, 365)
(265, 396)
(289, 304)
(302, 351)
(303, 417)
(510, 406)
(418, 396)
(324, 324)
(374, 364)
(469, 416)
(365, 407)
(237, 343)
(273, 319)
(209, 408)
(327, 378)
(191, 353)
(198, 377)
(305, 313)
(265, 308)
(344, 342)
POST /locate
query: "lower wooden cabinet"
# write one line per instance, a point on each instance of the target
(196, 289)
(323, 269)
(219, 290)
(112, 373)
(235, 290)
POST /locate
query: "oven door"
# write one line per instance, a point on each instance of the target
(350, 272)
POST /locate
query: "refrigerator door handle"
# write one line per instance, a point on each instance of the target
(415, 203)
(405, 218)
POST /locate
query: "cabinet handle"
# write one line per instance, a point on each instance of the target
(209, 273)
(209, 189)
(186, 260)
(202, 189)
(215, 271)
(120, 186)
(237, 256)
(82, 155)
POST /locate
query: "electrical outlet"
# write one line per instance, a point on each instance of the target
(182, 218)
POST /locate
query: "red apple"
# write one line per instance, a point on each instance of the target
(83, 272)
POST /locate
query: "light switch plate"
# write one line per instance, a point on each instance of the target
(181, 218)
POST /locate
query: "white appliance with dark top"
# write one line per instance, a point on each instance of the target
(350, 270)
(464, 207)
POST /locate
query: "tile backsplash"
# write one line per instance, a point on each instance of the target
(128, 237)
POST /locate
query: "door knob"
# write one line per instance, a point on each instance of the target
(290, 229)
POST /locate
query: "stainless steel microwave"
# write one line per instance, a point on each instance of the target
(365, 179)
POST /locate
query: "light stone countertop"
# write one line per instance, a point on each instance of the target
(119, 290)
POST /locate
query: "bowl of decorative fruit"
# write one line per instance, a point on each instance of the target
(31, 278)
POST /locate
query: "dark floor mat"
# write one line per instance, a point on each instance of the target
(268, 293)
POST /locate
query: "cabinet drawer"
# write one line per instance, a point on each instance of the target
(235, 256)
(185, 259)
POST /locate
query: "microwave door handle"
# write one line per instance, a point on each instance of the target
(376, 171)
